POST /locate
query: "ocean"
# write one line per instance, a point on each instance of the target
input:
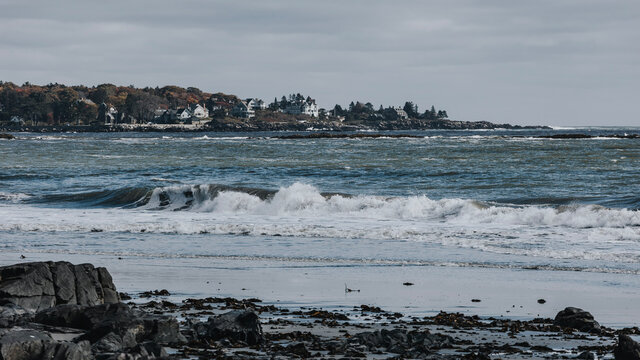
(501, 215)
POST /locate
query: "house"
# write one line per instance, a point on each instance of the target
(198, 111)
(400, 113)
(183, 114)
(256, 104)
(306, 107)
(17, 120)
(191, 111)
(107, 114)
(243, 110)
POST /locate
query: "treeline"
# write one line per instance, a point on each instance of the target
(54, 104)
(57, 103)
(366, 111)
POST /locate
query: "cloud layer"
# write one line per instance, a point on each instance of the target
(560, 62)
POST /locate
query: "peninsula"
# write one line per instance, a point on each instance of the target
(107, 108)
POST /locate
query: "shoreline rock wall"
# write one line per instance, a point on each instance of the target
(41, 285)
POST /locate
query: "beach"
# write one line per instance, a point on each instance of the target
(504, 224)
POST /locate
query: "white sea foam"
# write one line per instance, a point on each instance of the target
(13, 198)
(302, 212)
(305, 200)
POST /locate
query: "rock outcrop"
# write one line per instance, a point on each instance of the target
(627, 348)
(412, 344)
(235, 326)
(578, 319)
(41, 285)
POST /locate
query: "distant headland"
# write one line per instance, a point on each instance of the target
(111, 108)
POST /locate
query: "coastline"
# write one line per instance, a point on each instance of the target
(249, 127)
(502, 293)
(112, 324)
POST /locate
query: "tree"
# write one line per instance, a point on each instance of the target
(337, 110)
(409, 109)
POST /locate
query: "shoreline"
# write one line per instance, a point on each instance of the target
(105, 323)
(503, 293)
(272, 127)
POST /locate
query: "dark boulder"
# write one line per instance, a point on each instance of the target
(627, 348)
(40, 285)
(298, 349)
(113, 326)
(11, 314)
(6, 136)
(586, 355)
(65, 350)
(24, 344)
(236, 326)
(84, 317)
(578, 319)
(407, 343)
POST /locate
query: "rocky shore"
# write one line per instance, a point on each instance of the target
(57, 310)
(267, 126)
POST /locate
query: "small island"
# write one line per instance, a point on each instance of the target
(111, 108)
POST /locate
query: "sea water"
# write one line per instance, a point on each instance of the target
(505, 208)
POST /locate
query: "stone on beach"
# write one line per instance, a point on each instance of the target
(41, 285)
(406, 343)
(575, 318)
(627, 348)
(234, 325)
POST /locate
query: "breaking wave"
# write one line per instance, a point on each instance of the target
(305, 200)
(302, 200)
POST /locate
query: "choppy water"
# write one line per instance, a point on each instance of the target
(502, 199)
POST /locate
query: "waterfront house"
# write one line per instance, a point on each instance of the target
(243, 110)
(400, 113)
(256, 104)
(306, 107)
(198, 111)
(107, 114)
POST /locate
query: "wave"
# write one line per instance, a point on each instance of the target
(13, 197)
(124, 197)
(301, 212)
(305, 200)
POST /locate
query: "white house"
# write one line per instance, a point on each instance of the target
(243, 110)
(17, 120)
(183, 114)
(303, 107)
(199, 111)
(256, 104)
(401, 113)
(107, 114)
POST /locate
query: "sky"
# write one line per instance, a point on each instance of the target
(543, 62)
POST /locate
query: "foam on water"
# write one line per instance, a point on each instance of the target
(300, 211)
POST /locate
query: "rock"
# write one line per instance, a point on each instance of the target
(11, 314)
(113, 326)
(406, 343)
(41, 285)
(84, 317)
(237, 325)
(298, 349)
(7, 136)
(587, 355)
(64, 350)
(24, 344)
(627, 348)
(578, 319)
(541, 301)
(29, 286)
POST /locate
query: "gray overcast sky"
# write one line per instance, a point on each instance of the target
(552, 62)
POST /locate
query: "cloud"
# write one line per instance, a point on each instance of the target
(545, 62)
